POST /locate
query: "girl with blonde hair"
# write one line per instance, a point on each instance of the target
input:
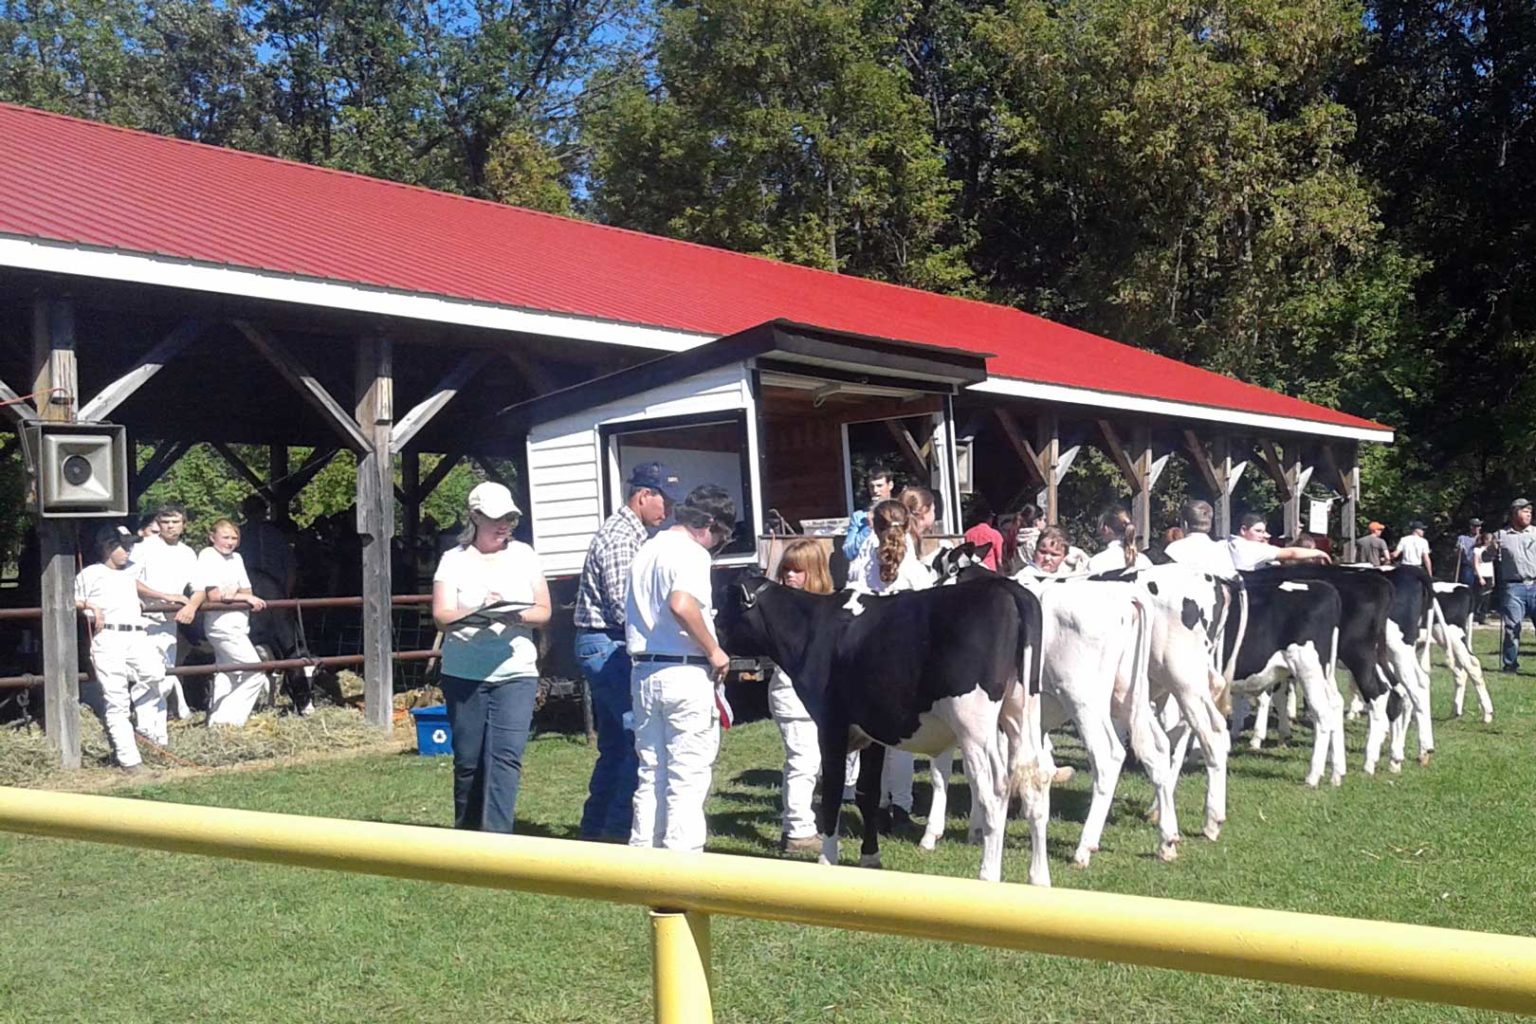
(803, 566)
(222, 576)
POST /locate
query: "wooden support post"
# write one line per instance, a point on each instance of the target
(1228, 474)
(1048, 445)
(1350, 472)
(410, 519)
(55, 383)
(376, 523)
(1297, 483)
(1141, 498)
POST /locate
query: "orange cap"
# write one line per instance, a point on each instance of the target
(1374, 526)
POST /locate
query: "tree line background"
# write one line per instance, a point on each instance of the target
(1329, 198)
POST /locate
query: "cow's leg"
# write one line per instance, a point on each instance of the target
(974, 719)
(1324, 703)
(1416, 685)
(1106, 756)
(832, 738)
(1238, 716)
(939, 767)
(1032, 771)
(1155, 754)
(1285, 712)
(1459, 653)
(1444, 639)
(871, 766)
(1208, 726)
(1376, 730)
(1261, 706)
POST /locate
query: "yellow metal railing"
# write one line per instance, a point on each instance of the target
(1475, 969)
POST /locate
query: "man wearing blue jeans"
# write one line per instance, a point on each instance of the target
(601, 651)
(1517, 576)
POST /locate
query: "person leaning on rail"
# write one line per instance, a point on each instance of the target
(167, 568)
(487, 593)
(222, 578)
(127, 663)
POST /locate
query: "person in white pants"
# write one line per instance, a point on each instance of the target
(167, 567)
(128, 668)
(802, 566)
(670, 632)
(222, 577)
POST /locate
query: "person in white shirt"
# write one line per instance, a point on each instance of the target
(167, 567)
(1251, 548)
(802, 566)
(1117, 532)
(486, 594)
(1196, 549)
(222, 579)
(128, 668)
(669, 628)
(1413, 549)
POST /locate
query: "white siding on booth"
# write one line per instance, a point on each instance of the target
(564, 470)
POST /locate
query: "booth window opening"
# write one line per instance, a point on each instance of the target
(706, 448)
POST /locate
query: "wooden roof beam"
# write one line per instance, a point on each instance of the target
(153, 361)
(1037, 467)
(306, 384)
(408, 426)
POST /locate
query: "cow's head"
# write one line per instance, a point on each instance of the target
(948, 563)
(738, 618)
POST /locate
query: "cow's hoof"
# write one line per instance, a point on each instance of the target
(1212, 831)
(1395, 767)
(1168, 852)
(1488, 718)
(1338, 779)
(1369, 769)
(927, 843)
(869, 860)
(1254, 743)
(1424, 758)
(1082, 858)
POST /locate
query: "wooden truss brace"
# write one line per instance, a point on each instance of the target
(430, 482)
(230, 456)
(408, 426)
(1036, 464)
(1210, 474)
(307, 385)
(916, 455)
(160, 461)
(289, 486)
(15, 405)
(1134, 475)
(1337, 480)
(153, 361)
(1269, 458)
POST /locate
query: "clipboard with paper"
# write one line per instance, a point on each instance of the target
(491, 615)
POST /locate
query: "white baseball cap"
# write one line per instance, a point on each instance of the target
(493, 501)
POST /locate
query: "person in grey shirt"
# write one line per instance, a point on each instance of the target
(1517, 577)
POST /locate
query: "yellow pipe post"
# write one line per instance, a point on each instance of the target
(1475, 969)
(680, 967)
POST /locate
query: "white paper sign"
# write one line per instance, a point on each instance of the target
(1317, 516)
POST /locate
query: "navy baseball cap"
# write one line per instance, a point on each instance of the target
(656, 477)
(117, 536)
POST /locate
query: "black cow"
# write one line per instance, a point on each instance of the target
(1453, 631)
(920, 670)
(1289, 628)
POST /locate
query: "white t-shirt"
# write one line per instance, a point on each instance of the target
(114, 591)
(911, 574)
(168, 568)
(1199, 551)
(1113, 557)
(1412, 549)
(1484, 558)
(1250, 554)
(227, 572)
(669, 562)
(504, 650)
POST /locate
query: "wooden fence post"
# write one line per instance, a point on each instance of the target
(376, 523)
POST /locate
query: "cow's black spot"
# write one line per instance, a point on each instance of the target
(1192, 615)
(1152, 587)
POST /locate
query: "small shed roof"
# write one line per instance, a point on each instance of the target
(780, 345)
(99, 201)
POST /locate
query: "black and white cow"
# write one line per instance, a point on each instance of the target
(1289, 629)
(1453, 632)
(920, 671)
(1408, 627)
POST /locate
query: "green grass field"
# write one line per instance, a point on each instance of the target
(99, 933)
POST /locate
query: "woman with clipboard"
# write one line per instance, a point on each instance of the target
(487, 592)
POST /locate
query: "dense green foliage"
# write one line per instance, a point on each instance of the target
(1328, 197)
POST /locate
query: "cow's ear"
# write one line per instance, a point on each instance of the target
(981, 551)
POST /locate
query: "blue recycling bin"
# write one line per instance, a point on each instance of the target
(434, 736)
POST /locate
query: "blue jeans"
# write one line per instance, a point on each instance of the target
(1516, 604)
(611, 793)
(490, 723)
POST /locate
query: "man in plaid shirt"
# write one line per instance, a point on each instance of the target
(600, 598)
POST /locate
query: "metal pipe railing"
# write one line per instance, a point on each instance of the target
(397, 601)
(21, 682)
(1441, 965)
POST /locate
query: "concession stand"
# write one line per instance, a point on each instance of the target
(766, 413)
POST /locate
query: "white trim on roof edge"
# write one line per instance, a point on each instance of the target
(84, 261)
(1163, 407)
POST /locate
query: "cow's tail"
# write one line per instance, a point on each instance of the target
(1031, 650)
(1139, 689)
(1229, 660)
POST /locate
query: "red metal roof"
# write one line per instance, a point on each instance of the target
(75, 181)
